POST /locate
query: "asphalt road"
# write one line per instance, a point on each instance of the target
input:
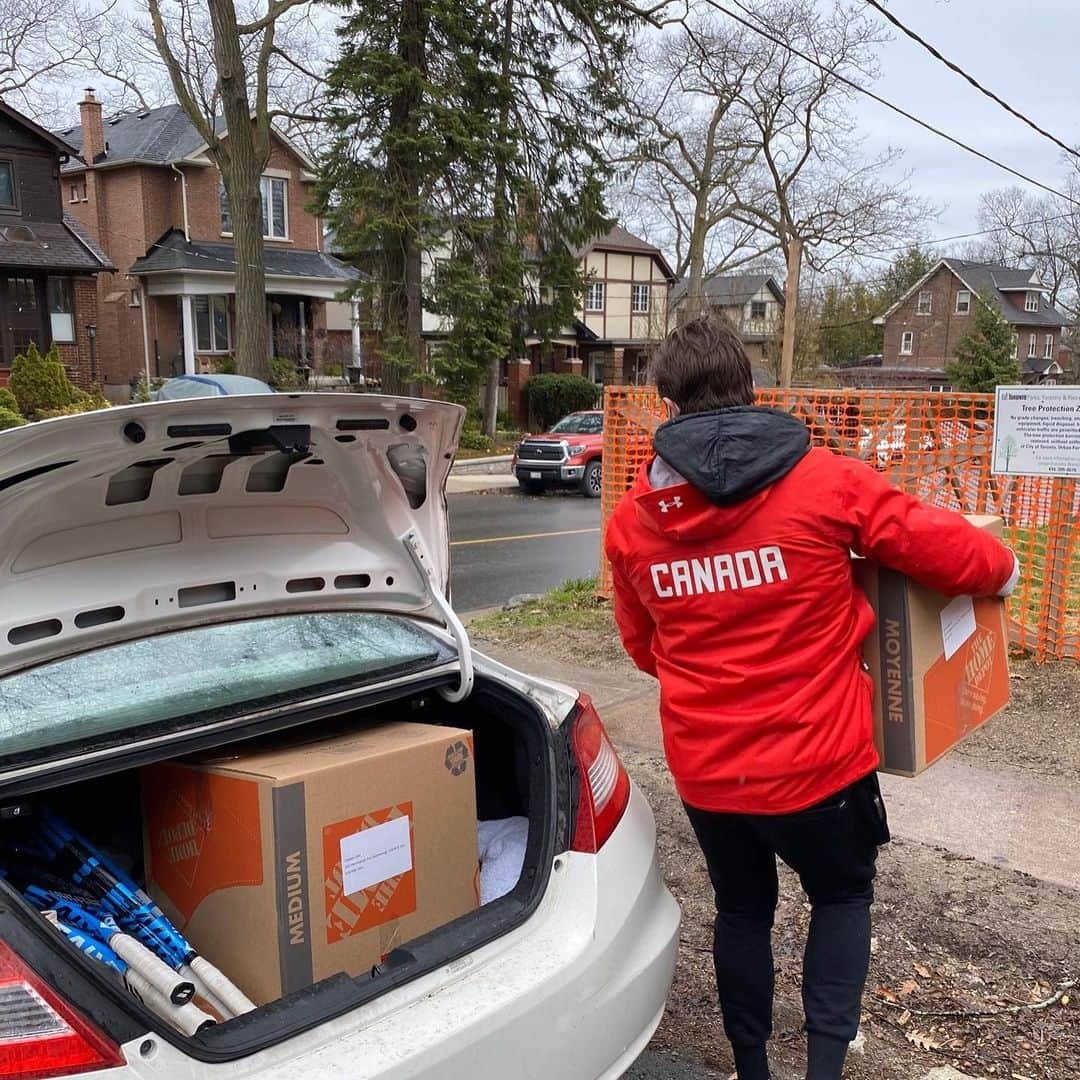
(506, 543)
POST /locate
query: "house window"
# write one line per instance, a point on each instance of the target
(594, 296)
(1016, 346)
(926, 300)
(757, 309)
(275, 207)
(1033, 344)
(963, 301)
(7, 185)
(212, 324)
(61, 309)
(226, 213)
(1031, 302)
(639, 299)
(907, 342)
(940, 388)
(134, 298)
(1048, 348)
(78, 190)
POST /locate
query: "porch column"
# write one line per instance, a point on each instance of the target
(187, 307)
(356, 333)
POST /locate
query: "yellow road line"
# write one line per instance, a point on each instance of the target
(524, 536)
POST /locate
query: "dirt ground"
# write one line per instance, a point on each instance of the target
(962, 950)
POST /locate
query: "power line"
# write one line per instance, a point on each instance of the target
(764, 31)
(970, 78)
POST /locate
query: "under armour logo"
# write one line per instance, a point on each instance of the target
(675, 504)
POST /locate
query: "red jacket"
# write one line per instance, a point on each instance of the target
(736, 592)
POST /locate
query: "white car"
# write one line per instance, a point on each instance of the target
(161, 567)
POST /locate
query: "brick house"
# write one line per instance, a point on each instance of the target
(923, 326)
(47, 262)
(144, 185)
(754, 305)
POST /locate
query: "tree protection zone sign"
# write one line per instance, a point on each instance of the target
(1037, 431)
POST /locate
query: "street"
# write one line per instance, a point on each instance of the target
(508, 543)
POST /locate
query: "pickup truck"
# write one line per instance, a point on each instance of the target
(569, 454)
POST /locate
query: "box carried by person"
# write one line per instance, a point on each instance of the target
(293, 861)
(939, 664)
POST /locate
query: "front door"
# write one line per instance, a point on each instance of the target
(22, 306)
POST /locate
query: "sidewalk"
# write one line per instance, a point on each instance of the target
(477, 483)
(1007, 817)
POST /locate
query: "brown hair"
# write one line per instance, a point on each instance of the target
(702, 365)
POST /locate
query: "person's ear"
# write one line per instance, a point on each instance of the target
(673, 410)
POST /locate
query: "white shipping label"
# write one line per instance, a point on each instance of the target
(375, 854)
(957, 624)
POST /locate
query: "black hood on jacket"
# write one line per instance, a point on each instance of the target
(734, 453)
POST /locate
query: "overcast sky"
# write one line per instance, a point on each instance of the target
(1025, 53)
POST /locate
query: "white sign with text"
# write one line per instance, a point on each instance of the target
(1037, 431)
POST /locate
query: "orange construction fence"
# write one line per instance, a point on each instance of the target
(938, 447)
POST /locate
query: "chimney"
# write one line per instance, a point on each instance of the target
(93, 130)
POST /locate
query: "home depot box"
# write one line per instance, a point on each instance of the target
(940, 665)
(296, 860)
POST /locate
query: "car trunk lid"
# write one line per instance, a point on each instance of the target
(132, 521)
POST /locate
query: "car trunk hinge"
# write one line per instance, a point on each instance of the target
(415, 548)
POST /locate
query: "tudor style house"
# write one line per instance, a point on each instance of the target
(923, 326)
(47, 262)
(144, 185)
(754, 305)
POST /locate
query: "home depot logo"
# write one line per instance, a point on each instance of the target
(979, 662)
(180, 837)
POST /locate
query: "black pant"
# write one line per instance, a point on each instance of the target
(833, 848)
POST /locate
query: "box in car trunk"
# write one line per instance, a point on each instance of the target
(293, 860)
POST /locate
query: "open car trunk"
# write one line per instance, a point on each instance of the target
(521, 771)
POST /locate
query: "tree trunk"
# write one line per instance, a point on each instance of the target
(791, 309)
(241, 164)
(404, 167)
(501, 215)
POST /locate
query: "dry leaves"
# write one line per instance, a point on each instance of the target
(922, 1040)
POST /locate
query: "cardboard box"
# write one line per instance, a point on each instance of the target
(296, 860)
(940, 666)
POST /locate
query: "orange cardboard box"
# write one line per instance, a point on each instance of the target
(293, 861)
(940, 666)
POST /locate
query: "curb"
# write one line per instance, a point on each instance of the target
(499, 463)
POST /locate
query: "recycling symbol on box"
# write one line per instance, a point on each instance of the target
(457, 758)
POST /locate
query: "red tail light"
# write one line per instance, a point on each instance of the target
(40, 1035)
(604, 782)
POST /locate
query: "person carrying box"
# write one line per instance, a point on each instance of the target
(731, 562)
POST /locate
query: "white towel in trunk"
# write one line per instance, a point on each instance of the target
(502, 855)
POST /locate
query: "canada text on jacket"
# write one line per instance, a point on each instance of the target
(719, 573)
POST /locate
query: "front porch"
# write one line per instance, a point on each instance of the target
(189, 309)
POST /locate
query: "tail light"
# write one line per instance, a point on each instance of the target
(40, 1035)
(604, 782)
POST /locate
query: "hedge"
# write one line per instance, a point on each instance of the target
(551, 397)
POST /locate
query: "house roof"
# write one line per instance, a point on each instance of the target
(153, 136)
(158, 136)
(996, 280)
(172, 253)
(728, 290)
(988, 277)
(619, 239)
(51, 245)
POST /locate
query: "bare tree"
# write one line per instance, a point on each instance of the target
(221, 65)
(696, 145)
(814, 192)
(1039, 232)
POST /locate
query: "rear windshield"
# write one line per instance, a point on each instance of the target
(101, 697)
(580, 424)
